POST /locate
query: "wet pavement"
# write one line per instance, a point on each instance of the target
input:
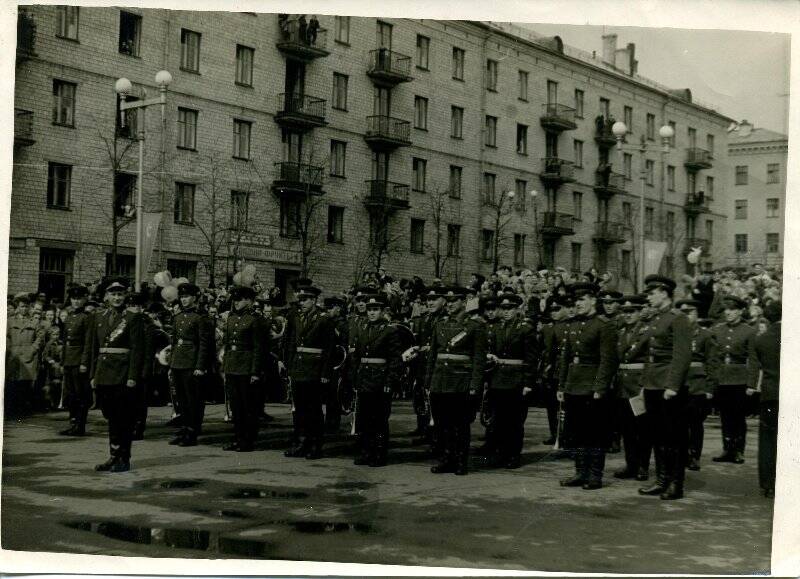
(201, 502)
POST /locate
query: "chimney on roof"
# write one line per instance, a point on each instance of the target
(625, 59)
(745, 128)
(609, 48)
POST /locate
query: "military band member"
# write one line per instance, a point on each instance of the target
(310, 368)
(376, 372)
(455, 370)
(588, 361)
(669, 354)
(488, 307)
(77, 392)
(553, 335)
(423, 331)
(334, 305)
(734, 340)
(136, 303)
(246, 349)
(191, 359)
(115, 354)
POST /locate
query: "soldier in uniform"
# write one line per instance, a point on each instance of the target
(588, 361)
(335, 305)
(669, 353)
(246, 342)
(553, 335)
(512, 347)
(310, 367)
(376, 372)
(77, 392)
(734, 341)
(456, 363)
(135, 303)
(610, 304)
(423, 331)
(115, 353)
(698, 381)
(488, 306)
(192, 357)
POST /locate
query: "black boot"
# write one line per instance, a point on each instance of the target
(362, 444)
(738, 454)
(694, 464)
(446, 457)
(597, 464)
(661, 475)
(727, 451)
(675, 475)
(380, 451)
(314, 449)
(297, 450)
(106, 466)
(581, 475)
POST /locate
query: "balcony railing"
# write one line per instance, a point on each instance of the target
(298, 178)
(388, 132)
(557, 117)
(300, 111)
(603, 134)
(609, 232)
(554, 223)
(388, 67)
(386, 194)
(557, 170)
(26, 36)
(698, 158)
(608, 183)
(299, 40)
(23, 127)
(697, 203)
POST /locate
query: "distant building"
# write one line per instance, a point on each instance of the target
(405, 146)
(757, 199)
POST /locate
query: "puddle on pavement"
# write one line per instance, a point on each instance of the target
(266, 493)
(180, 484)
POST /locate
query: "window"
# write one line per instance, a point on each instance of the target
(577, 205)
(491, 75)
(670, 225)
(651, 127)
(691, 182)
(579, 103)
(241, 139)
(456, 122)
(773, 241)
(670, 178)
(124, 267)
(184, 203)
(338, 158)
(491, 131)
(627, 213)
(649, 168)
(455, 182)
(420, 168)
(244, 65)
(740, 242)
(691, 135)
(458, 63)
(183, 268)
(420, 113)
(290, 217)
(341, 28)
(339, 100)
(626, 263)
(453, 240)
(489, 180)
(605, 107)
(740, 209)
(577, 152)
(520, 189)
(423, 51)
(63, 103)
(627, 165)
(773, 205)
(576, 257)
(519, 249)
(59, 185)
(709, 187)
(240, 202)
(710, 144)
(487, 244)
(522, 85)
(67, 25)
(709, 230)
(417, 235)
(522, 139)
(124, 194)
(773, 172)
(741, 174)
(55, 271)
(384, 31)
(190, 50)
(649, 218)
(187, 129)
(627, 114)
(130, 32)
(335, 224)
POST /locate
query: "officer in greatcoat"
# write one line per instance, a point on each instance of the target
(77, 392)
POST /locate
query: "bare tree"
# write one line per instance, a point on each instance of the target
(441, 213)
(501, 208)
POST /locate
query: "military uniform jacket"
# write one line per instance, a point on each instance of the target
(75, 328)
(115, 348)
(457, 357)
(192, 341)
(355, 324)
(734, 344)
(423, 331)
(377, 364)
(631, 354)
(246, 344)
(766, 356)
(514, 344)
(701, 370)
(310, 353)
(669, 351)
(588, 357)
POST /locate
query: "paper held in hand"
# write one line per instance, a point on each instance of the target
(637, 404)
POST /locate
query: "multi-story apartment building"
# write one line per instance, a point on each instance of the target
(758, 196)
(327, 147)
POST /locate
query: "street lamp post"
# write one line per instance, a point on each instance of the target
(123, 88)
(620, 129)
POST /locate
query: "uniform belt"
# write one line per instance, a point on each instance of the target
(459, 357)
(510, 362)
(304, 350)
(114, 350)
(696, 365)
(632, 366)
(373, 360)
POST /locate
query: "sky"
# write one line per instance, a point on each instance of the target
(745, 74)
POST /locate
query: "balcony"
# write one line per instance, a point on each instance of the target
(26, 36)
(557, 171)
(298, 42)
(23, 128)
(697, 159)
(696, 203)
(693, 242)
(386, 195)
(297, 179)
(603, 135)
(387, 68)
(556, 118)
(300, 112)
(556, 224)
(387, 133)
(609, 232)
(608, 183)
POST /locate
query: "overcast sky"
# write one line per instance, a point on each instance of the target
(745, 74)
